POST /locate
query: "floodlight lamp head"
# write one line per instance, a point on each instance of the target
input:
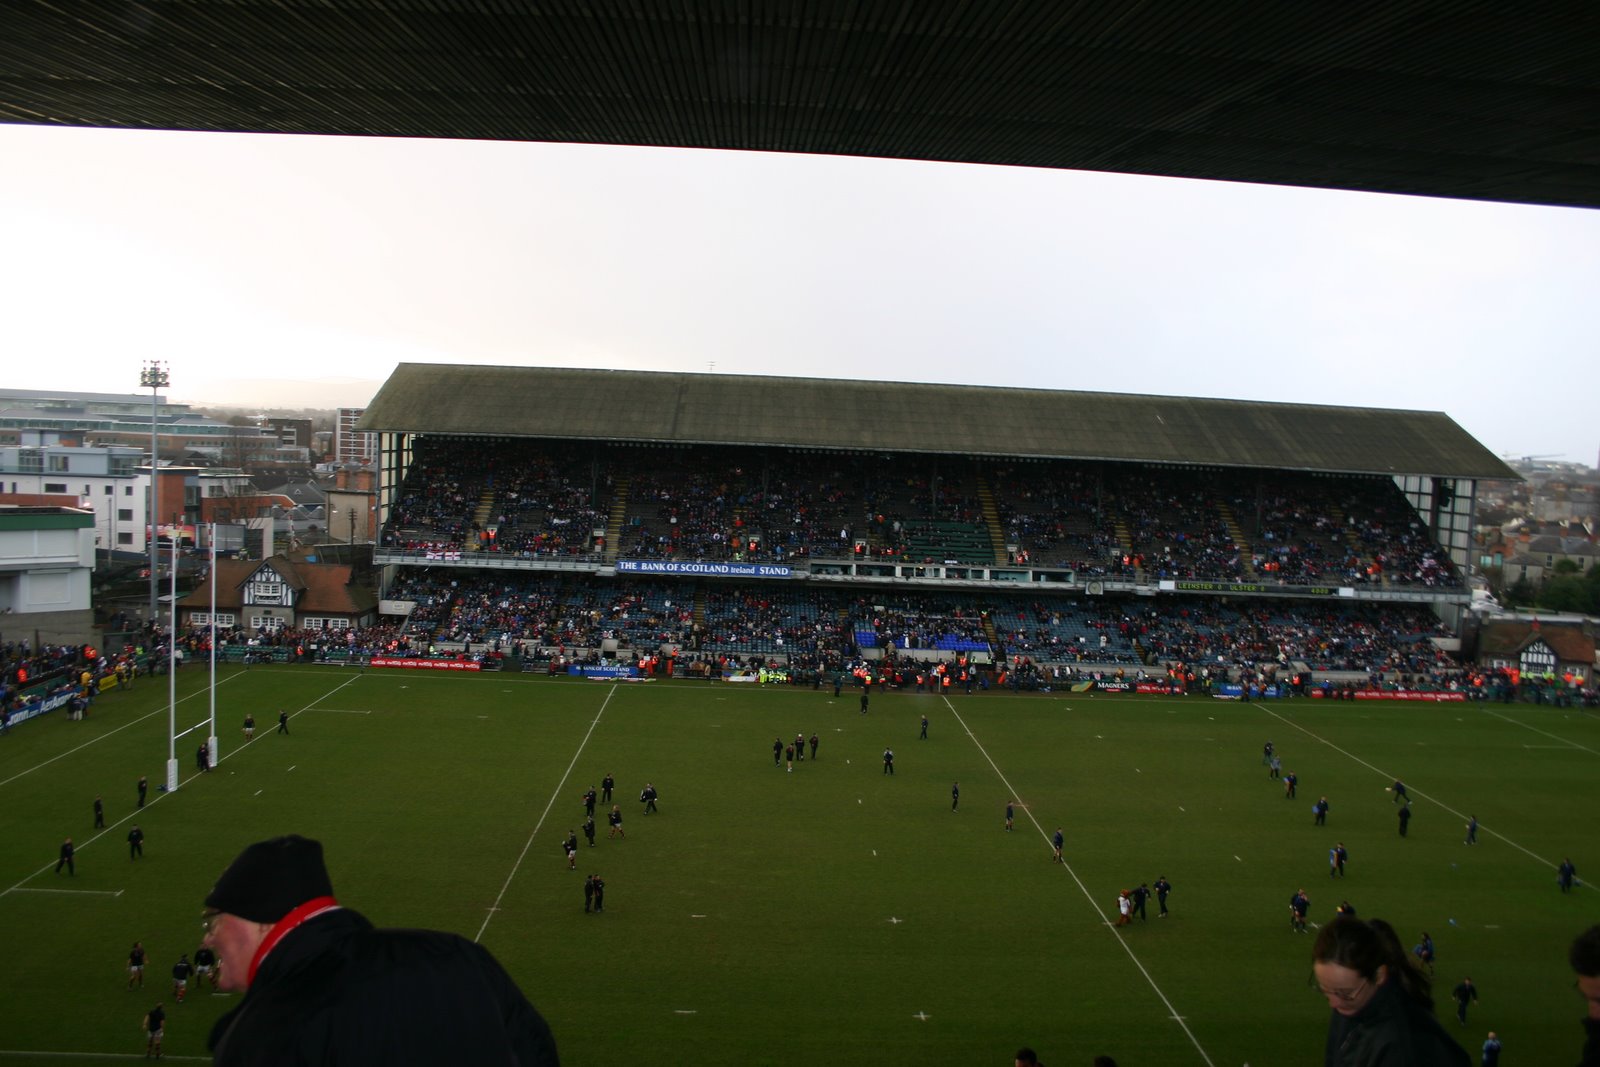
(154, 376)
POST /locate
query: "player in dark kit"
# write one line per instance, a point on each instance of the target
(99, 814)
(1399, 791)
(647, 797)
(615, 819)
(813, 746)
(777, 751)
(135, 843)
(588, 829)
(1057, 841)
(1299, 904)
(955, 796)
(155, 1021)
(1463, 994)
(924, 735)
(1320, 811)
(1289, 783)
(283, 722)
(599, 893)
(888, 761)
(136, 965)
(144, 787)
(588, 893)
(1163, 887)
(1139, 895)
(588, 801)
(66, 858)
(205, 966)
(800, 747)
(570, 845)
(1010, 814)
(180, 977)
(1566, 874)
(607, 784)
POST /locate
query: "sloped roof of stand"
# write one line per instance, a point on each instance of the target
(732, 410)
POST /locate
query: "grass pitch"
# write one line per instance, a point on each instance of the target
(832, 915)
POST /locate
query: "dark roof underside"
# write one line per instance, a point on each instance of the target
(640, 406)
(1477, 100)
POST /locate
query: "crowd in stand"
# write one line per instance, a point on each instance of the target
(1114, 521)
(1245, 634)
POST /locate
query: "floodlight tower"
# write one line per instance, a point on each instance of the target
(154, 378)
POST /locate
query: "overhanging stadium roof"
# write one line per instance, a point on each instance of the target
(735, 410)
(1477, 100)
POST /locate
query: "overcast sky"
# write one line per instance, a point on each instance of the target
(298, 271)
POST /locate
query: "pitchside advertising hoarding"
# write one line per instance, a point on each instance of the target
(707, 570)
(426, 664)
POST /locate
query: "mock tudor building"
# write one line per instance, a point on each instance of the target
(1538, 647)
(278, 593)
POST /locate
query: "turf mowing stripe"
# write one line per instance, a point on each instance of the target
(1172, 1012)
(1390, 777)
(160, 795)
(544, 815)
(1535, 729)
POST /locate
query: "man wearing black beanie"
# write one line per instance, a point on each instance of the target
(322, 985)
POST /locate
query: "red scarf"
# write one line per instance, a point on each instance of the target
(309, 910)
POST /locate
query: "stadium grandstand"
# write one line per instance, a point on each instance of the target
(726, 521)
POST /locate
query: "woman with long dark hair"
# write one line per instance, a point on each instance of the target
(1382, 1004)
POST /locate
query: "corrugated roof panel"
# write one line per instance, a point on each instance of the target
(732, 410)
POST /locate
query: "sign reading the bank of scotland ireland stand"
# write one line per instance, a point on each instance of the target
(712, 570)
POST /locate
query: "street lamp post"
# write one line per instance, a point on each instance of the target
(154, 378)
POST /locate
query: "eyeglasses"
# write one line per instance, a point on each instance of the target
(1347, 996)
(208, 920)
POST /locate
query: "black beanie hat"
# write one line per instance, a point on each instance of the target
(272, 878)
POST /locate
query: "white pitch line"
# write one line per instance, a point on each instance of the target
(1172, 1012)
(159, 796)
(343, 711)
(80, 892)
(1546, 733)
(544, 814)
(109, 733)
(1390, 777)
(1535, 729)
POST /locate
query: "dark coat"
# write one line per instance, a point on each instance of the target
(337, 991)
(1391, 1031)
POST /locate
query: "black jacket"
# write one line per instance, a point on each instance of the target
(1392, 1030)
(337, 991)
